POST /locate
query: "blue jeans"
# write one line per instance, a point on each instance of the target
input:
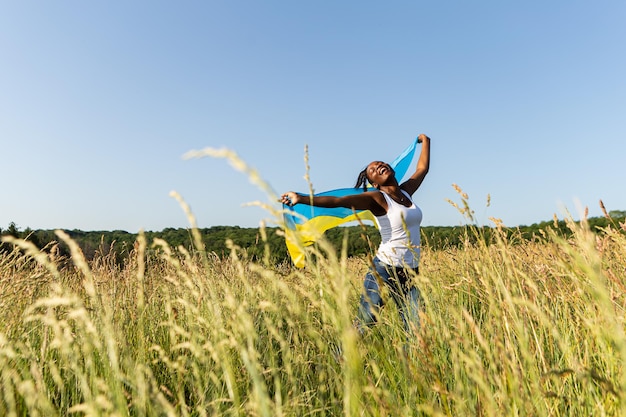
(406, 295)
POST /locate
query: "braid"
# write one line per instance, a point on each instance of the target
(362, 180)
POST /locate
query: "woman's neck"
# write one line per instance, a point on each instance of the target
(395, 193)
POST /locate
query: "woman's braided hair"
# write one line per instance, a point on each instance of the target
(362, 180)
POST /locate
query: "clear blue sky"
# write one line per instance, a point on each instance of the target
(524, 101)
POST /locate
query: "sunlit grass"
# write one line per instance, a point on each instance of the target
(510, 328)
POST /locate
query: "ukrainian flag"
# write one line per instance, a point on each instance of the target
(305, 224)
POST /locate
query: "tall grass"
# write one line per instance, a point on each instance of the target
(510, 328)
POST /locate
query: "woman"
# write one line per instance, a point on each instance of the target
(399, 221)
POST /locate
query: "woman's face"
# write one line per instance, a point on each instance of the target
(379, 173)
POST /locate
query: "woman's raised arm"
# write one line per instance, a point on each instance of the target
(423, 164)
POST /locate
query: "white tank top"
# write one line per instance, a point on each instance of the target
(400, 233)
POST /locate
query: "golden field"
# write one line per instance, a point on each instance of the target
(510, 328)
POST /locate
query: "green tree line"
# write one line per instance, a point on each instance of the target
(358, 240)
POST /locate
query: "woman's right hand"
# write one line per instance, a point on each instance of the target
(290, 198)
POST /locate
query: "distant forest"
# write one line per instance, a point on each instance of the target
(359, 240)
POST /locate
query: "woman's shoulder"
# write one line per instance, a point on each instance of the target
(380, 206)
(375, 194)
